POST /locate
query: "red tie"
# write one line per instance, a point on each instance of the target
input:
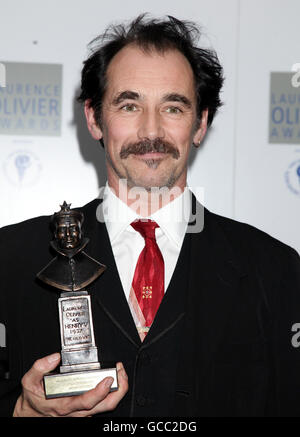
(148, 280)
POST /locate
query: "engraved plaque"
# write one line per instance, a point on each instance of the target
(75, 321)
(75, 383)
(79, 350)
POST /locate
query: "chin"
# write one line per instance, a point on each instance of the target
(152, 183)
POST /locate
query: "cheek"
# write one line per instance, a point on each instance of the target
(118, 131)
(181, 134)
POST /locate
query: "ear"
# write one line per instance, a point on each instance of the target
(93, 127)
(201, 131)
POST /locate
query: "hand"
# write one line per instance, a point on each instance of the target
(32, 401)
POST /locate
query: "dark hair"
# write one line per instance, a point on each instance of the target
(161, 35)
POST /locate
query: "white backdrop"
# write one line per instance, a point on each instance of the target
(243, 175)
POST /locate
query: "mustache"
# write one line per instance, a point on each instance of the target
(149, 146)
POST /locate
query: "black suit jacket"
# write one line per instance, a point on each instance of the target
(237, 298)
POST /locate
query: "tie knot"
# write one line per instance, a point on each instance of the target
(145, 227)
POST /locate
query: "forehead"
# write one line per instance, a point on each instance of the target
(137, 70)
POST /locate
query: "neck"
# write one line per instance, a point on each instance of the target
(146, 202)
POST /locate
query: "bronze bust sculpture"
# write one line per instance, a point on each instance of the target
(72, 269)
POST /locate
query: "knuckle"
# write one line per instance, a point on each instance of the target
(37, 364)
(111, 404)
(87, 404)
(109, 407)
(60, 410)
(125, 388)
(24, 380)
(61, 407)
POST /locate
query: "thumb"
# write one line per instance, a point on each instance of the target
(40, 368)
(33, 378)
(46, 364)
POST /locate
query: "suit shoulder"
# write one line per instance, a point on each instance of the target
(24, 227)
(34, 231)
(246, 235)
(41, 220)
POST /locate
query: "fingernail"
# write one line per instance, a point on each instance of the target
(109, 381)
(53, 357)
(119, 366)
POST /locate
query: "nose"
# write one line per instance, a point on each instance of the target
(150, 126)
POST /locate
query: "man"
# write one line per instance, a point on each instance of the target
(200, 323)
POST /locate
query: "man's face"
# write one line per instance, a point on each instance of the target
(148, 118)
(68, 233)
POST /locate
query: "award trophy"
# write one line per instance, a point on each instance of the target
(71, 271)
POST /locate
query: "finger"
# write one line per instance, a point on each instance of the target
(85, 402)
(32, 380)
(122, 376)
(113, 398)
(100, 399)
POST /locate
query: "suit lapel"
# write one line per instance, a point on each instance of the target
(107, 290)
(215, 275)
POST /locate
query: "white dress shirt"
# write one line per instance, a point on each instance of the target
(127, 243)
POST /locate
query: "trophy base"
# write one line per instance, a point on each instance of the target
(75, 383)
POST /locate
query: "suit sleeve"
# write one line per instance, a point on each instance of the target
(284, 385)
(10, 387)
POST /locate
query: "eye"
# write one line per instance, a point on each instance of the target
(129, 107)
(173, 110)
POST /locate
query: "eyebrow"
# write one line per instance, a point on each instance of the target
(174, 97)
(125, 95)
(171, 97)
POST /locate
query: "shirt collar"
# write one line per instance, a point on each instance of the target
(172, 218)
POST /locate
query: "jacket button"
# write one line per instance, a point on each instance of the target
(145, 358)
(141, 400)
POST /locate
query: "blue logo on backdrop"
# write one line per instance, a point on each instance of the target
(292, 177)
(22, 168)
